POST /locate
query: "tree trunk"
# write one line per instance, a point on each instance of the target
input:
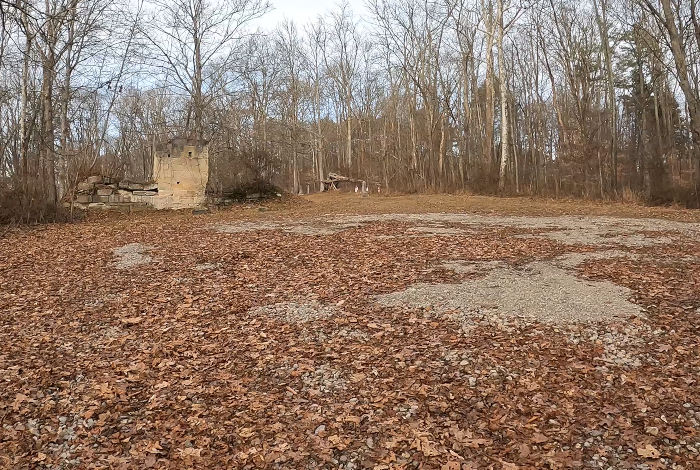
(691, 97)
(505, 143)
(47, 149)
(601, 17)
(490, 93)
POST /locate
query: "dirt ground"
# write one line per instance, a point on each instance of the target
(335, 331)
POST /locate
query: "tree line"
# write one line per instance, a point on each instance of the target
(582, 98)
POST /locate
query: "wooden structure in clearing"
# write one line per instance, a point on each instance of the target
(338, 182)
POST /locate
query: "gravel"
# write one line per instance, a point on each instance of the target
(206, 266)
(538, 291)
(131, 255)
(295, 312)
(325, 379)
(572, 230)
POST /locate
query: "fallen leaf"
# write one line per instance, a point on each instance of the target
(190, 452)
(245, 433)
(649, 452)
(132, 321)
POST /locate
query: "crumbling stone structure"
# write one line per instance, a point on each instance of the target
(181, 172)
(103, 192)
(180, 175)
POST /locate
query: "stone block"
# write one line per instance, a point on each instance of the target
(131, 186)
(85, 187)
(83, 198)
(105, 191)
(94, 179)
(102, 199)
(145, 193)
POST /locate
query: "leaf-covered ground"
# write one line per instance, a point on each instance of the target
(257, 337)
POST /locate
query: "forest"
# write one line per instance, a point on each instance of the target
(592, 99)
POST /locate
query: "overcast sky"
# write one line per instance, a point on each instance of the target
(302, 11)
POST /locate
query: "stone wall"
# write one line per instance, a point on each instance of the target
(181, 172)
(103, 192)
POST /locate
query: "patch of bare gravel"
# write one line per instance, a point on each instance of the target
(131, 255)
(296, 312)
(539, 291)
(325, 379)
(206, 266)
(621, 345)
(572, 230)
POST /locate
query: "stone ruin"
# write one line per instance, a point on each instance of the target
(180, 176)
(181, 172)
(101, 192)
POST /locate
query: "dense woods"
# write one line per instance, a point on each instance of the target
(586, 98)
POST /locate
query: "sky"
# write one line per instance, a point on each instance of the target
(303, 11)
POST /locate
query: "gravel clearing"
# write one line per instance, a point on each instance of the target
(295, 312)
(131, 255)
(572, 230)
(511, 352)
(538, 291)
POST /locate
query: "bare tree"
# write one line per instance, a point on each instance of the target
(193, 42)
(341, 56)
